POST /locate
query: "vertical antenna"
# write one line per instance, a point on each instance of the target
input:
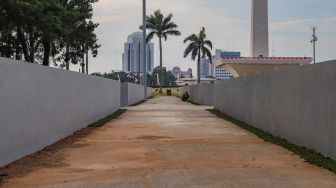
(314, 40)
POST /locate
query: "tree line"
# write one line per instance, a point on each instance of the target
(45, 31)
(168, 78)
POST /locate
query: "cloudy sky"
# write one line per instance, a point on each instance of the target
(227, 24)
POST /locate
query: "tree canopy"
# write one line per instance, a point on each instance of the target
(41, 31)
(199, 47)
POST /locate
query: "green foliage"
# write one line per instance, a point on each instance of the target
(107, 119)
(168, 79)
(42, 30)
(199, 47)
(309, 155)
(115, 76)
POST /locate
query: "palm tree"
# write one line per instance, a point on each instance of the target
(161, 26)
(199, 47)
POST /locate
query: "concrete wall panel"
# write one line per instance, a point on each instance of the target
(297, 103)
(132, 94)
(41, 105)
(200, 93)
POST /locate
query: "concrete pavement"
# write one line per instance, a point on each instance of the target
(165, 143)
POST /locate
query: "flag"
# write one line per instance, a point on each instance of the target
(119, 78)
(178, 78)
(158, 79)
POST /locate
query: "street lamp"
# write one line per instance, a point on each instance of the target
(144, 47)
(314, 40)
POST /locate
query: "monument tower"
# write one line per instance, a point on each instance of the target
(259, 29)
(259, 60)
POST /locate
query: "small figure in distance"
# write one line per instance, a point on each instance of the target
(185, 96)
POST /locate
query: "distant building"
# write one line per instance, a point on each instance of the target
(226, 54)
(221, 73)
(210, 70)
(133, 55)
(193, 81)
(181, 74)
(206, 68)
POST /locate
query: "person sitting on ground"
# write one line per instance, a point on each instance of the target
(185, 96)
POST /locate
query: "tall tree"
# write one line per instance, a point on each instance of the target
(199, 47)
(80, 36)
(161, 27)
(44, 30)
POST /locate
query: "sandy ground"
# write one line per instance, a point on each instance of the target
(165, 143)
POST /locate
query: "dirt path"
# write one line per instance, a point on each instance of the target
(166, 143)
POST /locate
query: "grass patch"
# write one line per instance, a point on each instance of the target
(156, 92)
(308, 155)
(105, 120)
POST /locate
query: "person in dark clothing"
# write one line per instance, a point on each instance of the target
(185, 96)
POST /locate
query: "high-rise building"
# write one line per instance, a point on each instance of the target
(132, 56)
(206, 68)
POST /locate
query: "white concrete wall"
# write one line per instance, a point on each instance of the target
(41, 105)
(202, 94)
(182, 90)
(298, 104)
(132, 94)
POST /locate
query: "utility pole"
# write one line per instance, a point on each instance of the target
(314, 40)
(144, 48)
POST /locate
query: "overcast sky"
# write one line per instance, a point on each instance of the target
(227, 24)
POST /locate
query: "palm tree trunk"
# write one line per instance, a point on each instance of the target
(161, 68)
(199, 67)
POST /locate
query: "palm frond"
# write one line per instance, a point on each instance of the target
(202, 34)
(206, 53)
(208, 43)
(150, 36)
(169, 26)
(167, 19)
(188, 50)
(164, 36)
(194, 53)
(172, 33)
(191, 38)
